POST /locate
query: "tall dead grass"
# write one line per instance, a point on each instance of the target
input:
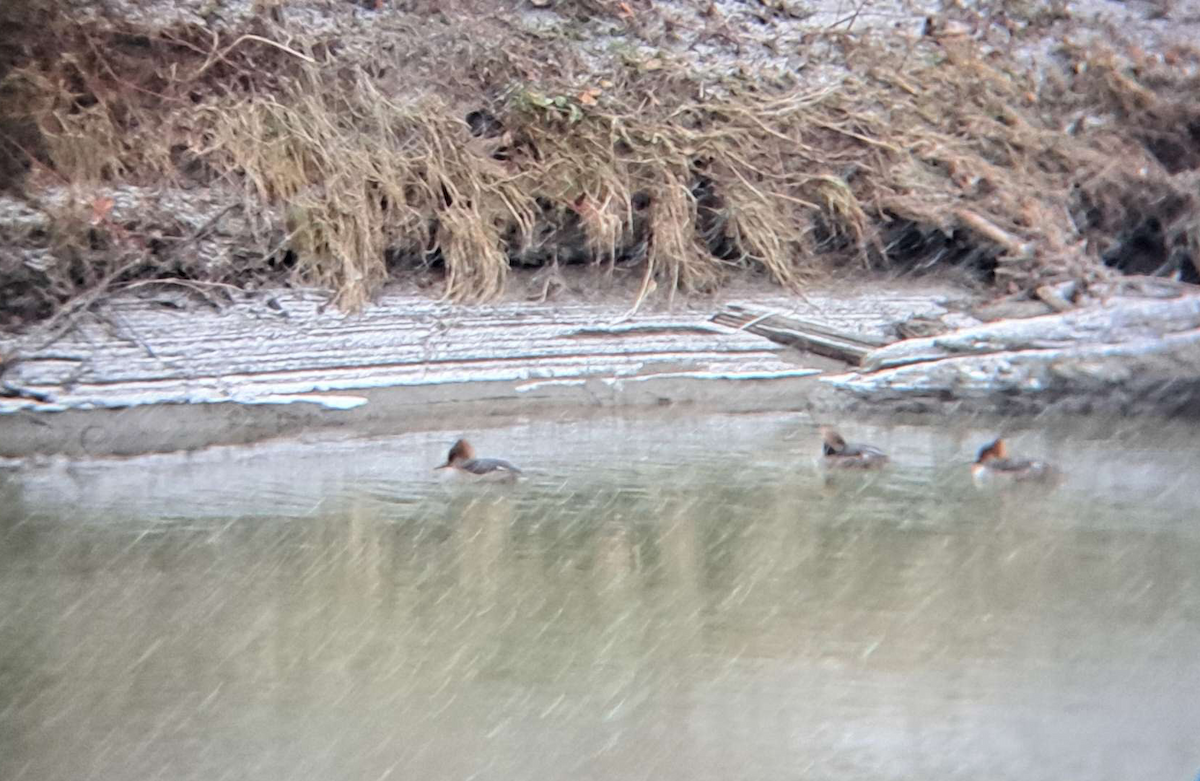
(651, 161)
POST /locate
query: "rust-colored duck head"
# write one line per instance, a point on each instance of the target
(834, 443)
(460, 453)
(995, 450)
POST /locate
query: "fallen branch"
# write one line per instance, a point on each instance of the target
(994, 233)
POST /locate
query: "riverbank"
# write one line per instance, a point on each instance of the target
(222, 222)
(351, 146)
(159, 372)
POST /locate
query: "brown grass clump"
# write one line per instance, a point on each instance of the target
(443, 140)
(361, 172)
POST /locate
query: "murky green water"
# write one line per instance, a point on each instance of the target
(680, 598)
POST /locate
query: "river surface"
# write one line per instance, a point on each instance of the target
(664, 597)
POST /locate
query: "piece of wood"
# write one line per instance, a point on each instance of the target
(1118, 321)
(802, 334)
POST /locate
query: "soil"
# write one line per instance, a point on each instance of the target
(316, 161)
(228, 142)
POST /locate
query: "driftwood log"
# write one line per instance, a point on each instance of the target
(1127, 355)
(1129, 351)
(802, 334)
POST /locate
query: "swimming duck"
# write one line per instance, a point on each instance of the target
(837, 452)
(462, 460)
(993, 459)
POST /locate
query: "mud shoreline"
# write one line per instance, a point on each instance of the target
(138, 376)
(347, 146)
(606, 178)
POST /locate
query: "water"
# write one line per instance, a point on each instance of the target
(663, 598)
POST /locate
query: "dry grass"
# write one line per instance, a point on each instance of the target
(344, 161)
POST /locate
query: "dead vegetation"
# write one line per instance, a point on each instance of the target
(439, 138)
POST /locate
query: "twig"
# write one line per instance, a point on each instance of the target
(34, 161)
(105, 64)
(72, 307)
(215, 56)
(851, 19)
(648, 287)
(993, 233)
(755, 321)
(10, 391)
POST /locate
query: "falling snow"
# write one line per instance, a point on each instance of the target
(663, 597)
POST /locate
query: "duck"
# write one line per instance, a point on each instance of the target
(461, 460)
(994, 461)
(838, 453)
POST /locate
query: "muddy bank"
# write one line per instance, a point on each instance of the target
(352, 145)
(160, 160)
(143, 375)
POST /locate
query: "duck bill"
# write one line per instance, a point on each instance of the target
(443, 466)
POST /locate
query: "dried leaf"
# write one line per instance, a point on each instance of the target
(101, 208)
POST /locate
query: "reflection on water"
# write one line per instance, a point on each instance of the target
(662, 599)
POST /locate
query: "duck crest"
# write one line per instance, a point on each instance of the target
(994, 450)
(460, 451)
(832, 442)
